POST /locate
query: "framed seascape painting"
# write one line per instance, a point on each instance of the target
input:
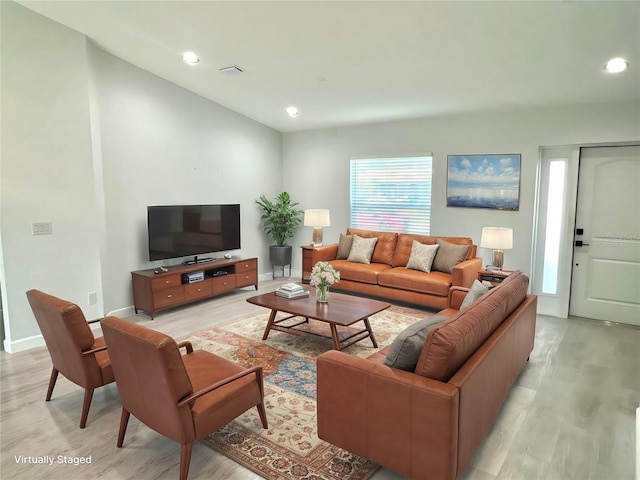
(484, 181)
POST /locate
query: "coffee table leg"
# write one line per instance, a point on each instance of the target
(272, 317)
(334, 334)
(373, 339)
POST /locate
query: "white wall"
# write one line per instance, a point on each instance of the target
(316, 163)
(88, 141)
(46, 170)
(164, 145)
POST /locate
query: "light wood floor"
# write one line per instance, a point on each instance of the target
(569, 416)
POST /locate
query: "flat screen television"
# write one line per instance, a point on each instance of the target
(185, 230)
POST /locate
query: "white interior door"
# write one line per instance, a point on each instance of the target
(606, 261)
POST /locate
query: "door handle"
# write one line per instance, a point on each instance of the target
(580, 243)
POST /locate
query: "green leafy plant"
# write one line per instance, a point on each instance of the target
(280, 218)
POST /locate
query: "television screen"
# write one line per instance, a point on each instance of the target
(183, 230)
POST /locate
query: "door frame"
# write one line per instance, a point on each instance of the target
(557, 304)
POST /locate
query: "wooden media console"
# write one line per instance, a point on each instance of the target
(153, 291)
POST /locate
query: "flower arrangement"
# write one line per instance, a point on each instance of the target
(322, 276)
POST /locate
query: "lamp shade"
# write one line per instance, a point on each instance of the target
(499, 238)
(317, 217)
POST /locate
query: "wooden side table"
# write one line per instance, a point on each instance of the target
(307, 262)
(494, 277)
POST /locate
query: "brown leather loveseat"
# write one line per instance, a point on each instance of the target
(387, 275)
(428, 423)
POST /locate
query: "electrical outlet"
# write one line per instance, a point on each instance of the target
(93, 298)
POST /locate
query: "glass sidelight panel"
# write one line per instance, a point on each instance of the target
(553, 225)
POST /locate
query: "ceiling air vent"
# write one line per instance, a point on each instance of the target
(232, 70)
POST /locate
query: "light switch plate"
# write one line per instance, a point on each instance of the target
(41, 228)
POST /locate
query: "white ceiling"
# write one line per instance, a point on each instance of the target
(345, 63)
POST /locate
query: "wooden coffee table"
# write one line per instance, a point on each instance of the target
(341, 311)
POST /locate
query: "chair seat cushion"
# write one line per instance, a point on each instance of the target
(217, 408)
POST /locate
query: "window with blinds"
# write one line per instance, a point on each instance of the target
(391, 194)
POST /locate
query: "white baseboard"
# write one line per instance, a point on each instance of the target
(36, 341)
(638, 443)
(23, 344)
(122, 312)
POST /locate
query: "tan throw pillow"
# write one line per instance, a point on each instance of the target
(448, 256)
(344, 246)
(475, 292)
(422, 256)
(407, 346)
(362, 249)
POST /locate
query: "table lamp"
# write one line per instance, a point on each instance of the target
(317, 218)
(498, 238)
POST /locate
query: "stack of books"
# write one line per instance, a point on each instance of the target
(292, 290)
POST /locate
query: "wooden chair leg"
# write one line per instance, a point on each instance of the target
(185, 459)
(124, 421)
(263, 414)
(52, 383)
(88, 395)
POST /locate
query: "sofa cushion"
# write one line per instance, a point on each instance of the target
(406, 347)
(362, 249)
(359, 272)
(449, 344)
(344, 246)
(475, 292)
(434, 283)
(422, 256)
(449, 255)
(405, 244)
(385, 246)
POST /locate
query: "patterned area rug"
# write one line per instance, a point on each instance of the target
(290, 448)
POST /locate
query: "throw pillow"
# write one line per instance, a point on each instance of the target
(422, 256)
(475, 292)
(407, 346)
(448, 256)
(362, 249)
(344, 246)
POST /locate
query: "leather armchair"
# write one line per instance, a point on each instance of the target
(74, 351)
(183, 397)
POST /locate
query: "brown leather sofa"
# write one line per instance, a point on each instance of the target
(427, 424)
(387, 276)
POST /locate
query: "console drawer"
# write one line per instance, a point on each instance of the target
(223, 283)
(194, 291)
(246, 265)
(166, 281)
(246, 278)
(168, 296)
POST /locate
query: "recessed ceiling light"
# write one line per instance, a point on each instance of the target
(292, 111)
(616, 65)
(190, 58)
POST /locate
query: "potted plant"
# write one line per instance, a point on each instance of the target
(280, 220)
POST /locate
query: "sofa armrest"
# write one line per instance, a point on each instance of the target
(466, 272)
(456, 297)
(325, 253)
(401, 420)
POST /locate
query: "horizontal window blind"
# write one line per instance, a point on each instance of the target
(391, 194)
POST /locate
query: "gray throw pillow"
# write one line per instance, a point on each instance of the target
(344, 246)
(422, 256)
(475, 292)
(448, 256)
(362, 249)
(407, 346)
